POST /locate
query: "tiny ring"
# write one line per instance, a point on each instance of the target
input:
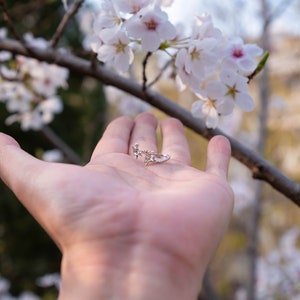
(150, 157)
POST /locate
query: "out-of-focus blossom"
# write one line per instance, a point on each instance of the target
(49, 280)
(125, 103)
(54, 155)
(278, 272)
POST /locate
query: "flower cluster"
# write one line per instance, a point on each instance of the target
(29, 89)
(278, 272)
(215, 68)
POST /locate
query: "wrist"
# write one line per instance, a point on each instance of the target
(136, 274)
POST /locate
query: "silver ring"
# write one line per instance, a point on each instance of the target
(150, 157)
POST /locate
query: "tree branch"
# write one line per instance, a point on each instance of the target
(261, 169)
(71, 156)
(61, 27)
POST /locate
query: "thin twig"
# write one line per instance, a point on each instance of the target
(157, 78)
(9, 22)
(69, 153)
(260, 168)
(61, 27)
(144, 65)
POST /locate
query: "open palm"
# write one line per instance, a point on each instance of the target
(116, 205)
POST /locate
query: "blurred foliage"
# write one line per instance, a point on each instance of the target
(26, 251)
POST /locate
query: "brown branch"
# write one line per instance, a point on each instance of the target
(144, 65)
(61, 27)
(9, 22)
(261, 169)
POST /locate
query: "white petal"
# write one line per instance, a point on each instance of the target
(150, 42)
(244, 102)
(225, 106)
(247, 65)
(253, 50)
(228, 76)
(212, 119)
(215, 89)
(122, 62)
(196, 109)
(135, 28)
(167, 31)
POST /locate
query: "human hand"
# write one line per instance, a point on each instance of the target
(128, 231)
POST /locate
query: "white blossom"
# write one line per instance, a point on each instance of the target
(152, 27)
(48, 108)
(54, 155)
(211, 105)
(49, 280)
(237, 90)
(116, 51)
(200, 59)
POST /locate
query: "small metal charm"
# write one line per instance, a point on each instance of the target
(150, 157)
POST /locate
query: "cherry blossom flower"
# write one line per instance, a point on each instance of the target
(39, 43)
(183, 77)
(28, 120)
(200, 59)
(116, 51)
(211, 105)
(54, 155)
(241, 56)
(49, 280)
(151, 26)
(18, 98)
(237, 90)
(47, 108)
(47, 78)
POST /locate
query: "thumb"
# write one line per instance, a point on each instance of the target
(16, 166)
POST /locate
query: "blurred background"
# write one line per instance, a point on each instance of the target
(260, 255)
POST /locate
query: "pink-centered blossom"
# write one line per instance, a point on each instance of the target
(241, 56)
(152, 27)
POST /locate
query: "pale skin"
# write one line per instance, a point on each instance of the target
(127, 231)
